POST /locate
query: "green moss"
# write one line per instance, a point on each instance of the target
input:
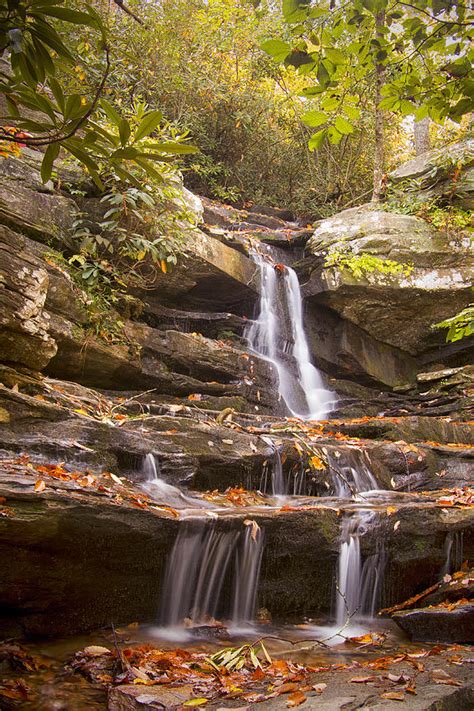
(363, 264)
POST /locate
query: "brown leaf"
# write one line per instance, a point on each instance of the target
(286, 688)
(319, 688)
(362, 679)
(40, 486)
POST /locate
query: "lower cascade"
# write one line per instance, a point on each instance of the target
(278, 334)
(212, 574)
(359, 583)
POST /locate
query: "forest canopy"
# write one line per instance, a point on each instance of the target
(285, 103)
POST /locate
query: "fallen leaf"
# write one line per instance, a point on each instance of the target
(295, 699)
(96, 651)
(286, 688)
(319, 688)
(196, 702)
(396, 525)
(362, 679)
(115, 478)
(393, 695)
(40, 486)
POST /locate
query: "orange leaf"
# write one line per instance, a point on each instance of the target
(296, 699)
(40, 486)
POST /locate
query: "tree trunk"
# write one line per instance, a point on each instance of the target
(422, 136)
(379, 154)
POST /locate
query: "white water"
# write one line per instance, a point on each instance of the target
(200, 582)
(358, 583)
(350, 472)
(453, 551)
(278, 335)
(165, 493)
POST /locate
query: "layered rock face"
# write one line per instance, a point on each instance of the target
(81, 548)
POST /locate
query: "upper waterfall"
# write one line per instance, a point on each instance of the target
(278, 335)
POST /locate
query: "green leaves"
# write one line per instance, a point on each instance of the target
(343, 126)
(277, 49)
(50, 156)
(314, 118)
(295, 10)
(317, 140)
(148, 124)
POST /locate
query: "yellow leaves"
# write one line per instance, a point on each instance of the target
(373, 638)
(164, 266)
(81, 411)
(391, 510)
(316, 463)
(40, 486)
(196, 702)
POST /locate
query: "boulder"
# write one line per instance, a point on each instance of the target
(438, 624)
(395, 305)
(446, 173)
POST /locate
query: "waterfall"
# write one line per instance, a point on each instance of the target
(247, 573)
(350, 473)
(199, 571)
(166, 493)
(278, 335)
(453, 552)
(358, 583)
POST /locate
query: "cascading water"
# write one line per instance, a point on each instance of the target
(247, 573)
(453, 551)
(358, 583)
(204, 564)
(278, 335)
(350, 472)
(166, 493)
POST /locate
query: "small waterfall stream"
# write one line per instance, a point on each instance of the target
(358, 583)
(278, 335)
(453, 551)
(166, 493)
(202, 563)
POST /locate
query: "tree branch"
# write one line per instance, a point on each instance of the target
(122, 6)
(43, 141)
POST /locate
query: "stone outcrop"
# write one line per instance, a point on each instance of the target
(24, 324)
(437, 174)
(386, 313)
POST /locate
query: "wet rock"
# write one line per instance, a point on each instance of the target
(212, 325)
(188, 451)
(284, 215)
(438, 624)
(172, 362)
(148, 698)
